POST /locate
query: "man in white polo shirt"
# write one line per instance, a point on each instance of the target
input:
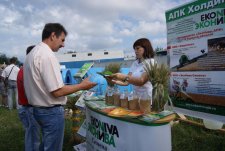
(45, 89)
(11, 72)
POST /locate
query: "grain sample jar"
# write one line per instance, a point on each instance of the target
(145, 103)
(109, 96)
(116, 97)
(133, 101)
(124, 99)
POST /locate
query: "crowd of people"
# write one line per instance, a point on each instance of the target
(39, 91)
(8, 85)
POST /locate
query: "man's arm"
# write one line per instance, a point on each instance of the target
(69, 89)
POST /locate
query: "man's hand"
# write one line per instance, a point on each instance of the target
(86, 84)
(69, 89)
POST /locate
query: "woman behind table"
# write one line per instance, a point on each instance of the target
(137, 75)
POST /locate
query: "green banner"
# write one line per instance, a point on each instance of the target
(193, 8)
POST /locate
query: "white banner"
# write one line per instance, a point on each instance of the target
(108, 134)
(196, 45)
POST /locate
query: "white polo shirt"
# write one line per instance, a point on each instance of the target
(137, 69)
(13, 74)
(42, 76)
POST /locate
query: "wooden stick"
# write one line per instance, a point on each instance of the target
(182, 116)
(197, 124)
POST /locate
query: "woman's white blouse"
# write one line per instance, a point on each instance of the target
(137, 69)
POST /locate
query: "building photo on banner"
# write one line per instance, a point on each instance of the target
(196, 45)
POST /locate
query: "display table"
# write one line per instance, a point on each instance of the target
(107, 133)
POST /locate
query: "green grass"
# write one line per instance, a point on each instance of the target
(187, 137)
(184, 136)
(12, 132)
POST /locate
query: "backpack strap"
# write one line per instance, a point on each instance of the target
(10, 72)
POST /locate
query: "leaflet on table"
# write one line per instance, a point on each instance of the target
(98, 104)
(80, 147)
(149, 118)
(81, 100)
(135, 114)
(94, 98)
(119, 112)
(107, 110)
(165, 113)
(82, 129)
(77, 93)
(153, 117)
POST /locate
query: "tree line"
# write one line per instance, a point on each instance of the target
(5, 59)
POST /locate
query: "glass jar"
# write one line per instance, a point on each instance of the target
(145, 103)
(124, 99)
(133, 101)
(116, 97)
(109, 96)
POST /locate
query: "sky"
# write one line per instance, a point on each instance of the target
(91, 24)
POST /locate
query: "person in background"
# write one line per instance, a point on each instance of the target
(45, 89)
(3, 90)
(137, 75)
(11, 72)
(32, 129)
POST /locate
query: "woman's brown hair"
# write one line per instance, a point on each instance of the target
(146, 44)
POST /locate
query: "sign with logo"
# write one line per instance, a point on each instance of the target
(105, 133)
(196, 44)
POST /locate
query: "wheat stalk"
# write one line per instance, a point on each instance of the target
(158, 75)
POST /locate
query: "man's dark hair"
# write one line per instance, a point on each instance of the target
(13, 60)
(29, 49)
(53, 27)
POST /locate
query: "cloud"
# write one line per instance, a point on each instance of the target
(29, 8)
(149, 28)
(8, 16)
(126, 32)
(91, 24)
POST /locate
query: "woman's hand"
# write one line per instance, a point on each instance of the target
(118, 76)
(122, 83)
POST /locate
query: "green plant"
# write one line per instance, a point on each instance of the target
(112, 68)
(158, 75)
